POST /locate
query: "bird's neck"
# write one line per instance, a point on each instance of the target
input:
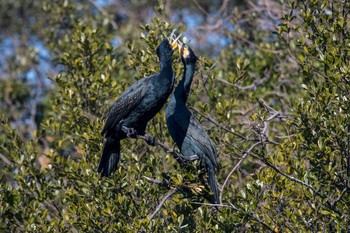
(183, 89)
(165, 63)
(165, 79)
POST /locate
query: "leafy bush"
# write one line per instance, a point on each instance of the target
(274, 101)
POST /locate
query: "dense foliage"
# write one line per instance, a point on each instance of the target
(274, 99)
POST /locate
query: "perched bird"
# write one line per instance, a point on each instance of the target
(185, 129)
(130, 113)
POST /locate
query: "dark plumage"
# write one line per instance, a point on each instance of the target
(135, 107)
(186, 130)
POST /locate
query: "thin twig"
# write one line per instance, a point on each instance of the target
(251, 87)
(266, 106)
(223, 6)
(172, 192)
(219, 125)
(209, 204)
(225, 81)
(178, 157)
(328, 204)
(345, 190)
(237, 165)
(292, 178)
(266, 122)
(201, 9)
(6, 160)
(182, 160)
(252, 216)
(152, 180)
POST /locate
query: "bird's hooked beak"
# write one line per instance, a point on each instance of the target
(174, 42)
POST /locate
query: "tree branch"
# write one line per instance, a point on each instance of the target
(209, 204)
(6, 160)
(223, 6)
(221, 126)
(152, 180)
(251, 87)
(345, 190)
(237, 165)
(182, 160)
(292, 178)
(253, 217)
(172, 192)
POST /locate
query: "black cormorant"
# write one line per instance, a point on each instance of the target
(130, 113)
(185, 129)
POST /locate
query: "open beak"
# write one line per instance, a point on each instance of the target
(174, 45)
(175, 42)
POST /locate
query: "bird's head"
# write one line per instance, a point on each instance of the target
(168, 45)
(164, 49)
(187, 55)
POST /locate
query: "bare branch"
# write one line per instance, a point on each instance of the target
(225, 81)
(152, 180)
(6, 160)
(172, 192)
(209, 204)
(253, 86)
(200, 8)
(221, 126)
(217, 26)
(182, 160)
(179, 158)
(253, 216)
(266, 122)
(266, 106)
(223, 6)
(236, 166)
(345, 190)
(292, 178)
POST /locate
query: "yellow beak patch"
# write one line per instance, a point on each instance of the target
(185, 52)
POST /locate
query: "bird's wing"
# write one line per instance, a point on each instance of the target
(126, 102)
(196, 133)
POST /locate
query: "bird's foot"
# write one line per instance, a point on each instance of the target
(192, 158)
(152, 141)
(183, 160)
(189, 158)
(130, 132)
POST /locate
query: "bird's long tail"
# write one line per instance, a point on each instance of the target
(215, 199)
(110, 156)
